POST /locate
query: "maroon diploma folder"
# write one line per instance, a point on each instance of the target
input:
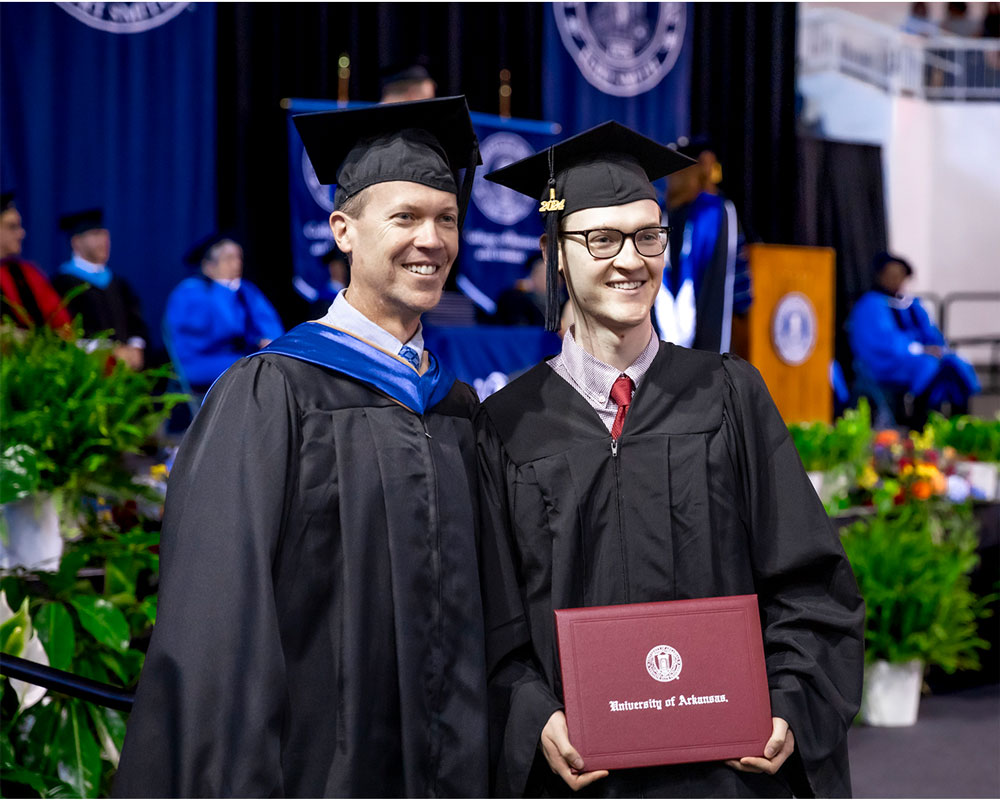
(664, 683)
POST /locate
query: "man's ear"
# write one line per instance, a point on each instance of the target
(343, 228)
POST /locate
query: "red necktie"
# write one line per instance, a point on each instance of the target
(621, 393)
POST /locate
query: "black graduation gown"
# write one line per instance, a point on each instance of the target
(706, 497)
(115, 307)
(320, 629)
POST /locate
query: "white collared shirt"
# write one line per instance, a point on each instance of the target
(346, 317)
(593, 378)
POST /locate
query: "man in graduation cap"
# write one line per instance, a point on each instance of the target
(27, 296)
(217, 317)
(320, 631)
(109, 303)
(626, 470)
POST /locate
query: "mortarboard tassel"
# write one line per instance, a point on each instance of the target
(551, 207)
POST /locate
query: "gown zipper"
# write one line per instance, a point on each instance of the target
(616, 465)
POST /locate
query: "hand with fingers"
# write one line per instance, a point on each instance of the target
(562, 757)
(777, 750)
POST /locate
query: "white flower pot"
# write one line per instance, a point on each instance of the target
(892, 693)
(34, 542)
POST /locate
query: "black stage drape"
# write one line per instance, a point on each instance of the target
(268, 51)
(842, 205)
(742, 97)
(743, 100)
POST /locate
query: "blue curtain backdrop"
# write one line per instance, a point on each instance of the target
(114, 107)
(630, 62)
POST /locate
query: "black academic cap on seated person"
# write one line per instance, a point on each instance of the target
(880, 261)
(6, 201)
(397, 73)
(609, 165)
(197, 252)
(82, 221)
(425, 142)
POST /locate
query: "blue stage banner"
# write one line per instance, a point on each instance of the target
(112, 105)
(629, 62)
(501, 227)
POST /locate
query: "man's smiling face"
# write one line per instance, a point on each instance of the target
(612, 293)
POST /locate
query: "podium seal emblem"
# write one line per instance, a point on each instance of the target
(663, 663)
(794, 329)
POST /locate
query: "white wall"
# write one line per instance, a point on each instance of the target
(942, 185)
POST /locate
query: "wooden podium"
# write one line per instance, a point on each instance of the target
(790, 327)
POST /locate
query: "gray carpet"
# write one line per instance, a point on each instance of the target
(952, 751)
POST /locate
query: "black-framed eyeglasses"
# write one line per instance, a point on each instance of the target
(608, 242)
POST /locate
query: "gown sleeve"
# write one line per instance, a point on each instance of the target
(209, 707)
(520, 699)
(812, 615)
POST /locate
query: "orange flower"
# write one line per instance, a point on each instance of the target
(921, 490)
(887, 437)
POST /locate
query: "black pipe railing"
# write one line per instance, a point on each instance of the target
(66, 683)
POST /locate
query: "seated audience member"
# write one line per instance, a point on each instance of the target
(896, 343)
(918, 21)
(706, 281)
(217, 317)
(109, 303)
(28, 297)
(524, 302)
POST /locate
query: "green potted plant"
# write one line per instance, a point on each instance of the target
(68, 414)
(912, 564)
(835, 455)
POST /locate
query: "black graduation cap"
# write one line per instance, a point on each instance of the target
(397, 73)
(82, 221)
(6, 201)
(610, 165)
(197, 252)
(425, 142)
(883, 259)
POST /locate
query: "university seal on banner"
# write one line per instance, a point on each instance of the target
(793, 329)
(320, 193)
(623, 49)
(498, 203)
(123, 17)
(663, 663)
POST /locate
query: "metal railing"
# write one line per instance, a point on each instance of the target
(934, 68)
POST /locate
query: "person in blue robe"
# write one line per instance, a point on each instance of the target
(707, 280)
(215, 318)
(897, 345)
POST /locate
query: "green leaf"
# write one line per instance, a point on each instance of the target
(26, 777)
(55, 628)
(19, 476)
(110, 727)
(15, 629)
(102, 621)
(79, 756)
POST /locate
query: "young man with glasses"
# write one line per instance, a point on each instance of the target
(629, 470)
